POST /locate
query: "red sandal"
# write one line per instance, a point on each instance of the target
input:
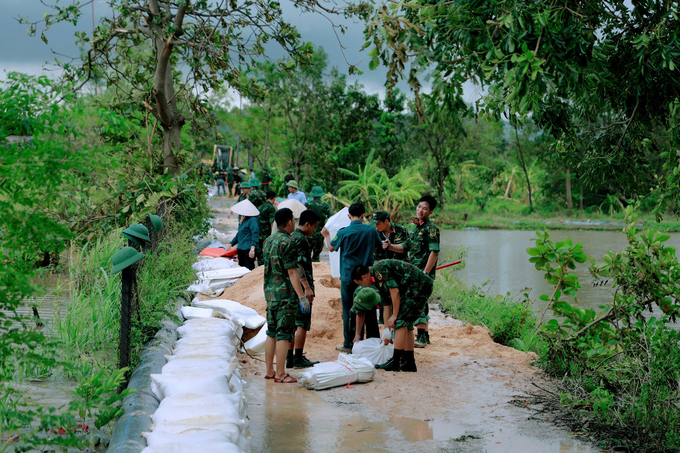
(286, 379)
(270, 377)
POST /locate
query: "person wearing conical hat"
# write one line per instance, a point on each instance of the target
(324, 212)
(247, 238)
(295, 192)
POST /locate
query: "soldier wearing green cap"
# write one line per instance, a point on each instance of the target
(403, 290)
(266, 221)
(256, 195)
(396, 234)
(325, 212)
(266, 179)
(423, 251)
(245, 191)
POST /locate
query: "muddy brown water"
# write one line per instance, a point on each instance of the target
(497, 261)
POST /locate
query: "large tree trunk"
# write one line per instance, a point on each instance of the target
(524, 167)
(569, 200)
(580, 194)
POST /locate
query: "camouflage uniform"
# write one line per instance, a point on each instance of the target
(423, 240)
(414, 290)
(256, 197)
(316, 240)
(304, 259)
(288, 177)
(265, 220)
(280, 255)
(230, 182)
(398, 235)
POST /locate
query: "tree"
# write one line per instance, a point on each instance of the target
(161, 52)
(599, 58)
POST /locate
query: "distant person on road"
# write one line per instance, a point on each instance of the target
(237, 180)
(356, 244)
(295, 192)
(404, 290)
(219, 182)
(266, 222)
(325, 212)
(396, 234)
(266, 179)
(309, 220)
(423, 250)
(230, 181)
(256, 195)
(247, 237)
(283, 293)
(252, 174)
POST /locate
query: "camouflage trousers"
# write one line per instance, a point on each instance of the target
(281, 319)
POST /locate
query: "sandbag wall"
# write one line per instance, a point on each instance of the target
(202, 404)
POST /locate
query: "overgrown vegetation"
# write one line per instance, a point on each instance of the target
(620, 368)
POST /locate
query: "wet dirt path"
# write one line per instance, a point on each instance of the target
(457, 402)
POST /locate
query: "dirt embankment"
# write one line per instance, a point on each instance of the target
(459, 356)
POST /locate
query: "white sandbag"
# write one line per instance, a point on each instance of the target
(213, 264)
(214, 350)
(220, 355)
(194, 312)
(245, 316)
(205, 340)
(236, 383)
(374, 350)
(221, 447)
(198, 367)
(178, 402)
(333, 225)
(255, 346)
(158, 438)
(211, 287)
(214, 234)
(169, 414)
(346, 370)
(167, 385)
(221, 274)
(202, 326)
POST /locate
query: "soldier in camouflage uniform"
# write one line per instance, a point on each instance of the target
(245, 191)
(256, 196)
(309, 220)
(237, 180)
(230, 181)
(396, 234)
(265, 220)
(423, 250)
(283, 293)
(266, 179)
(405, 289)
(324, 212)
(286, 179)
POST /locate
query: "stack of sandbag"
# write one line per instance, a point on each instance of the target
(208, 263)
(242, 316)
(213, 281)
(346, 370)
(202, 405)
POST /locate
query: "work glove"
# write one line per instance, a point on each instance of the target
(305, 306)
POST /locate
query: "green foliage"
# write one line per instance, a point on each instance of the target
(620, 367)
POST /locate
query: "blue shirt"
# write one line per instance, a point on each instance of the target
(299, 196)
(247, 235)
(356, 243)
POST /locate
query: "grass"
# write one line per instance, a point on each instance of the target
(505, 214)
(510, 321)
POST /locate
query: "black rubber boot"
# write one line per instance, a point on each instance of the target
(426, 337)
(394, 363)
(409, 364)
(290, 360)
(301, 361)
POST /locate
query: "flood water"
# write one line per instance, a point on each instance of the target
(497, 261)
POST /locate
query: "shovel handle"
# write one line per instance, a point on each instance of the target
(448, 264)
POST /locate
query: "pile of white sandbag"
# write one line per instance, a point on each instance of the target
(242, 316)
(213, 278)
(202, 404)
(346, 370)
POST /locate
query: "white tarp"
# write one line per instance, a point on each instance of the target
(194, 312)
(346, 370)
(374, 349)
(333, 225)
(255, 346)
(221, 274)
(213, 264)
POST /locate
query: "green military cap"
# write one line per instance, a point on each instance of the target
(230, 168)
(379, 216)
(254, 182)
(245, 185)
(137, 233)
(156, 222)
(367, 298)
(317, 192)
(293, 183)
(127, 256)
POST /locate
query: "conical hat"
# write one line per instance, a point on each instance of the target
(294, 205)
(245, 208)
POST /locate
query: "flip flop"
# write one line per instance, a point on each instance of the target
(270, 377)
(286, 379)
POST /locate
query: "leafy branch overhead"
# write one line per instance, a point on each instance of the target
(162, 55)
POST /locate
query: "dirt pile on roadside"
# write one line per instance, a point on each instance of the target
(448, 339)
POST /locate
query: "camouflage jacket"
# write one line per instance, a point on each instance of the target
(398, 235)
(423, 240)
(280, 255)
(265, 219)
(256, 197)
(322, 209)
(388, 274)
(288, 178)
(304, 259)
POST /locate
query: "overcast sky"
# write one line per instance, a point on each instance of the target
(23, 53)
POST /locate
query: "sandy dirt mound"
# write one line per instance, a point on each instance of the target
(448, 340)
